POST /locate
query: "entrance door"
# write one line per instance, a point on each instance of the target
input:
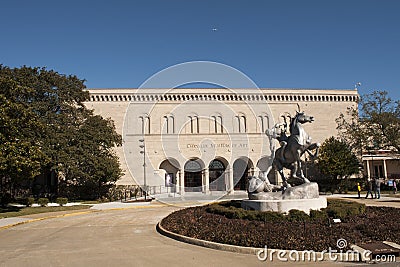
(193, 176)
(240, 174)
(217, 175)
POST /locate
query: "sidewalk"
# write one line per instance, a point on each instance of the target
(385, 200)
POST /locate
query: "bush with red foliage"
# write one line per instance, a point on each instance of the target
(293, 231)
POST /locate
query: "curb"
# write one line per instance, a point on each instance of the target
(207, 244)
(274, 254)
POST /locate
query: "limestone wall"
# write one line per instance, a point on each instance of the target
(209, 123)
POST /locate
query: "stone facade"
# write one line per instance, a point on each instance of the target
(208, 139)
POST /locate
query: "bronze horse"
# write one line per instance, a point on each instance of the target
(293, 147)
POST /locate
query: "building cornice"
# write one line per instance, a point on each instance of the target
(224, 95)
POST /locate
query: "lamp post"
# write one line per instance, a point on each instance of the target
(143, 146)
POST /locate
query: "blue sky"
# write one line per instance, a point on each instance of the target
(280, 44)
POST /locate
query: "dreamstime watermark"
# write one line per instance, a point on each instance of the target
(339, 254)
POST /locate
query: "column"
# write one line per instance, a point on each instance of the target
(384, 169)
(368, 170)
(182, 182)
(206, 181)
(230, 181)
(177, 181)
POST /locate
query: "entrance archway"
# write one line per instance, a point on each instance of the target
(242, 169)
(171, 167)
(265, 165)
(193, 175)
(216, 171)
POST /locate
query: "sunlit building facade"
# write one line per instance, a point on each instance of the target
(205, 140)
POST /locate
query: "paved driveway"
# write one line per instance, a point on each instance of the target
(124, 237)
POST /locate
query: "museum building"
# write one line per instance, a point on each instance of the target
(204, 140)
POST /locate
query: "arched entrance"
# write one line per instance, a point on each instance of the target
(265, 165)
(242, 169)
(193, 175)
(171, 167)
(216, 171)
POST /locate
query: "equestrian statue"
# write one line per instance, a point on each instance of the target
(294, 143)
(292, 146)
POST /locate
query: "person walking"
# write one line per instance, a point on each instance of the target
(394, 186)
(377, 188)
(359, 190)
(369, 188)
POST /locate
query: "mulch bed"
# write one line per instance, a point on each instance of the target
(376, 224)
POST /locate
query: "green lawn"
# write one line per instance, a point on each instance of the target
(16, 211)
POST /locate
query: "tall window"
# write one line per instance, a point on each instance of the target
(194, 124)
(241, 123)
(216, 124)
(168, 124)
(144, 124)
(263, 121)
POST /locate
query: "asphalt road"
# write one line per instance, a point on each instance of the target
(124, 237)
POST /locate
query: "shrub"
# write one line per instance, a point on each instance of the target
(62, 201)
(232, 203)
(43, 201)
(5, 199)
(103, 199)
(28, 201)
(232, 210)
(336, 209)
(298, 216)
(344, 209)
(318, 215)
(271, 216)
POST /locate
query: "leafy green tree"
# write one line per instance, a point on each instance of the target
(74, 143)
(93, 166)
(336, 161)
(21, 157)
(376, 124)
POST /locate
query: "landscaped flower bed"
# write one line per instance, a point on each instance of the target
(229, 224)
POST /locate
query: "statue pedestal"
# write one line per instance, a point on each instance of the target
(285, 205)
(303, 197)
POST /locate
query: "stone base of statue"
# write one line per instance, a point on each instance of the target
(303, 197)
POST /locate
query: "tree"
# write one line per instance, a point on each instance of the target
(376, 125)
(93, 167)
(336, 161)
(76, 144)
(21, 157)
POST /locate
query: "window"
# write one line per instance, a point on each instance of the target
(144, 124)
(241, 123)
(168, 124)
(194, 124)
(263, 121)
(164, 125)
(216, 124)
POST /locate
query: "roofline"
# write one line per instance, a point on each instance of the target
(239, 90)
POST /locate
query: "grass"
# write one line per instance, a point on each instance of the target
(16, 211)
